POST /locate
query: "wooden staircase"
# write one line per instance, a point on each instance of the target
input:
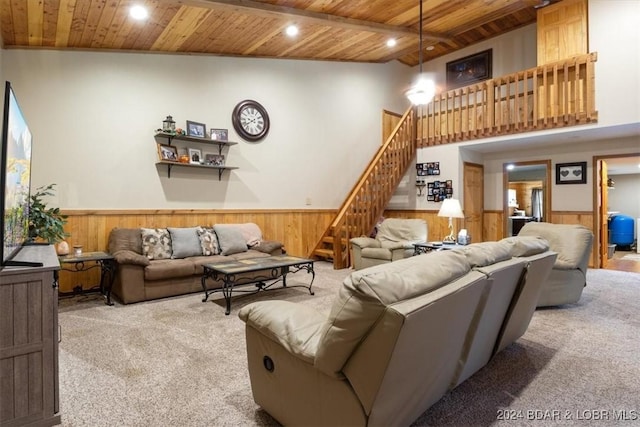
(369, 197)
(549, 96)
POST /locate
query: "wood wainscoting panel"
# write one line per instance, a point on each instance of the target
(493, 226)
(298, 230)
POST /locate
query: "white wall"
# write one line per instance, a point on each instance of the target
(93, 117)
(614, 35)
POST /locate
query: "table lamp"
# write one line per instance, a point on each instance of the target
(450, 208)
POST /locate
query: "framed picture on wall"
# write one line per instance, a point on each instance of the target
(571, 173)
(470, 69)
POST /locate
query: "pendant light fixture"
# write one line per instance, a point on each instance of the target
(424, 89)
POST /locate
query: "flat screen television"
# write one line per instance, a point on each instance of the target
(15, 180)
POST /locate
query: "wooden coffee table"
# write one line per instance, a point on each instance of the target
(235, 273)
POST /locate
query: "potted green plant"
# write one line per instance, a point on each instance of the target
(45, 223)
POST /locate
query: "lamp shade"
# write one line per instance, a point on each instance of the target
(451, 209)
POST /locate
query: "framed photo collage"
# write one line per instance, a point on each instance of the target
(437, 190)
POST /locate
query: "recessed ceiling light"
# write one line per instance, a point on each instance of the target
(291, 31)
(391, 42)
(138, 12)
(430, 47)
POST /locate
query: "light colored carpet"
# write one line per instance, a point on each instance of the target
(181, 362)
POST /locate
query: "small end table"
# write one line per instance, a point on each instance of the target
(87, 261)
(423, 248)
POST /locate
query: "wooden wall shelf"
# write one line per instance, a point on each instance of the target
(183, 138)
(170, 165)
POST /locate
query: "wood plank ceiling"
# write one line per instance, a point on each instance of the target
(339, 30)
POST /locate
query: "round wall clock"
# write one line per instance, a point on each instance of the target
(250, 120)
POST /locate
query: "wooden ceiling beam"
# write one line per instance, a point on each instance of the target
(302, 15)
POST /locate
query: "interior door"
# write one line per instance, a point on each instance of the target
(603, 214)
(473, 178)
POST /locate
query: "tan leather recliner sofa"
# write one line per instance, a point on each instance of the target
(398, 337)
(394, 240)
(573, 243)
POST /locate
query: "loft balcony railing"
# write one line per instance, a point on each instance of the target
(549, 96)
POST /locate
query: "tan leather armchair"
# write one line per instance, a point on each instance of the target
(394, 240)
(398, 335)
(573, 243)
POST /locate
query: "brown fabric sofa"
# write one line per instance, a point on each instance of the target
(139, 278)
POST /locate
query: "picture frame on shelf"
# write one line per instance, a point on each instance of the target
(219, 134)
(571, 173)
(212, 159)
(196, 129)
(167, 153)
(195, 156)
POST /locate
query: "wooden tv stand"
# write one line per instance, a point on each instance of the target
(29, 390)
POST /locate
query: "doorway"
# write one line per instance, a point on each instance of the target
(616, 180)
(527, 195)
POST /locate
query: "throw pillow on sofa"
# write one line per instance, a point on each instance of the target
(184, 242)
(208, 241)
(251, 233)
(156, 243)
(230, 239)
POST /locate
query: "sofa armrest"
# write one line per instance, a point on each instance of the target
(272, 247)
(365, 242)
(130, 257)
(295, 327)
(392, 246)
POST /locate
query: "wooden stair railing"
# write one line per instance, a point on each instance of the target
(369, 197)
